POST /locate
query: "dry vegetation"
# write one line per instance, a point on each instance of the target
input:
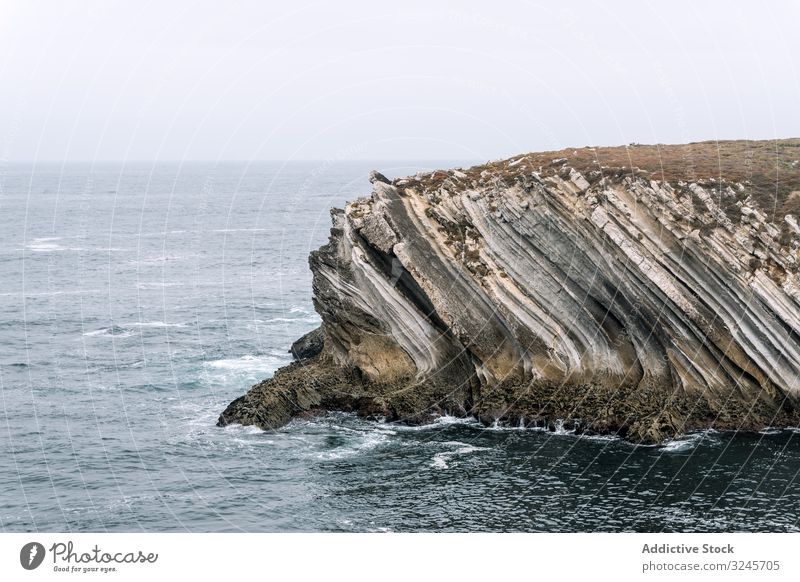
(769, 170)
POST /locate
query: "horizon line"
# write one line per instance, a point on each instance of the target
(237, 161)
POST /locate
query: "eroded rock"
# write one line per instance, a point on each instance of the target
(619, 303)
(309, 345)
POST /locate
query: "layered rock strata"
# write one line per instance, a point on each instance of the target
(644, 291)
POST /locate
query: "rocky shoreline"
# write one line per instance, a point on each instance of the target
(643, 291)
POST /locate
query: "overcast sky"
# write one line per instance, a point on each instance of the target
(182, 80)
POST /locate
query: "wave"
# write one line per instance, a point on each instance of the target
(441, 460)
(128, 329)
(366, 442)
(46, 245)
(239, 230)
(473, 423)
(436, 424)
(155, 324)
(771, 431)
(236, 371)
(56, 293)
(158, 285)
(689, 442)
(50, 244)
(446, 419)
(310, 318)
(607, 438)
(247, 363)
(114, 330)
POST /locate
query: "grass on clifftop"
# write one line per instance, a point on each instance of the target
(770, 170)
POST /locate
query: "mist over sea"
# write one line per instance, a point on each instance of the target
(137, 300)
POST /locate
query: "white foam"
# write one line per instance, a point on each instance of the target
(125, 330)
(113, 331)
(368, 441)
(239, 435)
(247, 369)
(244, 363)
(158, 285)
(446, 420)
(45, 245)
(239, 230)
(684, 443)
(49, 245)
(251, 442)
(55, 293)
(600, 437)
(239, 428)
(155, 324)
(770, 431)
(677, 446)
(497, 427)
(307, 318)
(559, 428)
(440, 460)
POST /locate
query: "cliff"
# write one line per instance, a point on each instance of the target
(639, 290)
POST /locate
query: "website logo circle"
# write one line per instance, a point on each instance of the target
(31, 555)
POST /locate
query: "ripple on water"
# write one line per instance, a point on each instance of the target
(112, 399)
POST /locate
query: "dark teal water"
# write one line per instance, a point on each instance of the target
(136, 301)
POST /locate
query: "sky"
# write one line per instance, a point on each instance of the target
(99, 80)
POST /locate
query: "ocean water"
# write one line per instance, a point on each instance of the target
(137, 300)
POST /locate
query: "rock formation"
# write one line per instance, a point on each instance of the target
(641, 290)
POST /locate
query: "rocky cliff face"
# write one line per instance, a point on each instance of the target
(645, 291)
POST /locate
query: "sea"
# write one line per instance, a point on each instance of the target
(138, 299)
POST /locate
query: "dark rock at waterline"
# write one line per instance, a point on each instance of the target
(309, 345)
(642, 291)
